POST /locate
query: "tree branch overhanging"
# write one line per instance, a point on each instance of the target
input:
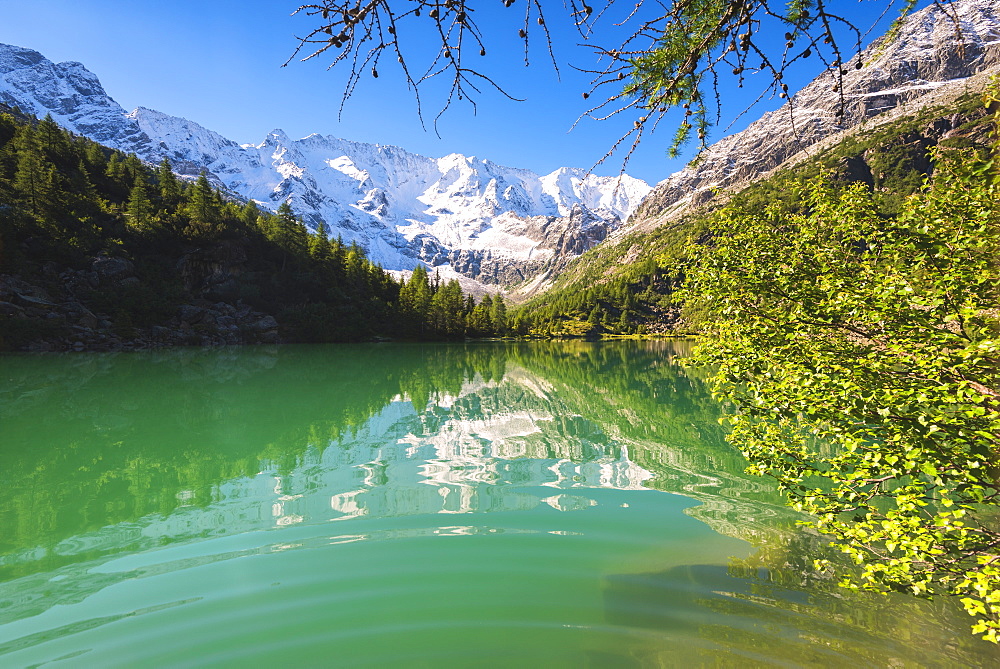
(646, 59)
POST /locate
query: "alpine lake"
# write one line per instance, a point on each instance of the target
(500, 504)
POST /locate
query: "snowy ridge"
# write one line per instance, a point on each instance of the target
(925, 55)
(68, 91)
(457, 213)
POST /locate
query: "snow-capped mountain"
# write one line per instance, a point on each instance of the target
(492, 223)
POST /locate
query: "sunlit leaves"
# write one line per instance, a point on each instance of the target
(863, 354)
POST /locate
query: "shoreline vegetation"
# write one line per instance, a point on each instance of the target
(125, 347)
(861, 351)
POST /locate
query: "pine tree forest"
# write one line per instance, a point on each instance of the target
(69, 206)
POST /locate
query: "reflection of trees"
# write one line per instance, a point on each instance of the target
(92, 441)
(96, 440)
(640, 394)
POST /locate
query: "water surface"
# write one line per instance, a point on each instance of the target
(479, 505)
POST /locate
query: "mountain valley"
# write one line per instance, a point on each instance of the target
(586, 255)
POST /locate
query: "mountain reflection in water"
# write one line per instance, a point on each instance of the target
(309, 504)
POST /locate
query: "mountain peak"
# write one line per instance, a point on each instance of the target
(457, 213)
(16, 57)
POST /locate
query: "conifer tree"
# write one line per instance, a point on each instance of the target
(623, 323)
(53, 141)
(446, 310)
(415, 301)
(320, 249)
(81, 184)
(287, 231)
(480, 320)
(594, 318)
(133, 168)
(249, 214)
(8, 128)
(202, 208)
(337, 260)
(8, 164)
(170, 189)
(498, 315)
(139, 210)
(34, 178)
(96, 161)
(114, 170)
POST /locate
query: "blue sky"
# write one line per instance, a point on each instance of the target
(218, 62)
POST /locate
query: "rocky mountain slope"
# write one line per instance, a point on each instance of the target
(919, 91)
(458, 213)
(934, 51)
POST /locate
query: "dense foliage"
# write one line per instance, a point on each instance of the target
(854, 309)
(65, 200)
(862, 352)
(622, 305)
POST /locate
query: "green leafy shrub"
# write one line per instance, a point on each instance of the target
(862, 353)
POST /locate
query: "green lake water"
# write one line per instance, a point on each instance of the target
(405, 505)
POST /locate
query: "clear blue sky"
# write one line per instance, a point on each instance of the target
(217, 62)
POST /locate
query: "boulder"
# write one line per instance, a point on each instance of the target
(112, 269)
(190, 314)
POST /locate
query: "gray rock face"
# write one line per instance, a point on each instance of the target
(930, 51)
(557, 240)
